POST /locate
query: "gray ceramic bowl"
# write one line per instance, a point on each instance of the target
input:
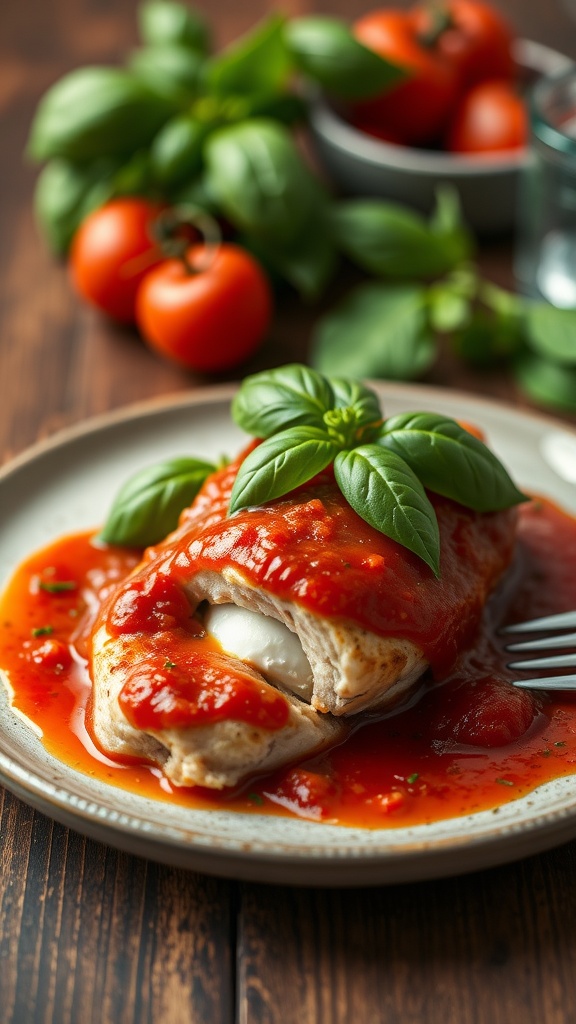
(361, 165)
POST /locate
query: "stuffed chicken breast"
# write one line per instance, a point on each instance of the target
(247, 641)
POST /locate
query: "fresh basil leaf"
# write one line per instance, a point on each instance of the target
(448, 309)
(551, 332)
(148, 506)
(280, 464)
(547, 383)
(95, 112)
(351, 394)
(164, 23)
(257, 62)
(196, 192)
(377, 331)
(308, 263)
(489, 337)
(394, 242)
(285, 107)
(172, 71)
(176, 151)
(289, 396)
(384, 491)
(261, 180)
(450, 461)
(133, 176)
(500, 300)
(65, 193)
(325, 50)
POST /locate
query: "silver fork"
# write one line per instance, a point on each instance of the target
(566, 620)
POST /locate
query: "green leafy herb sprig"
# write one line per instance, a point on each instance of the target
(149, 504)
(308, 421)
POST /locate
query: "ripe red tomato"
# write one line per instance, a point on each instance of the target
(414, 111)
(489, 713)
(207, 319)
(111, 252)
(476, 38)
(491, 117)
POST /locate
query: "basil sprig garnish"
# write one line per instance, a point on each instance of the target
(149, 504)
(307, 420)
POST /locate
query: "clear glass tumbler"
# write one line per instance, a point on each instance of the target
(545, 261)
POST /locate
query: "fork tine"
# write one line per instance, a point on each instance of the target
(556, 661)
(567, 682)
(565, 620)
(544, 643)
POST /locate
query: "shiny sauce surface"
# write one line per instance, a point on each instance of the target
(468, 740)
(312, 548)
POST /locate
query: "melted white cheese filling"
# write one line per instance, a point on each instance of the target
(266, 644)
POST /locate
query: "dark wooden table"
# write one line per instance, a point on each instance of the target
(88, 934)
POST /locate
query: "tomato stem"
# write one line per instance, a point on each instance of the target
(171, 232)
(440, 20)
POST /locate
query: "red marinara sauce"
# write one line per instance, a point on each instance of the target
(466, 742)
(312, 548)
(198, 684)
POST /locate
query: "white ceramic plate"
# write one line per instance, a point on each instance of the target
(68, 483)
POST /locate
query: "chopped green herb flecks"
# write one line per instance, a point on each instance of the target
(42, 631)
(413, 778)
(255, 798)
(169, 664)
(58, 586)
(505, 782)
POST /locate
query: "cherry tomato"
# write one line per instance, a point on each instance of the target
(489, 118)
(492, 713)
(471, 35)
(111, 252)
(416, 110)
(211, 317)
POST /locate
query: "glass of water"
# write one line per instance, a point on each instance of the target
(545, 261)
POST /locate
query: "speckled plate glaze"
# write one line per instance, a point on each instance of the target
(67, 484)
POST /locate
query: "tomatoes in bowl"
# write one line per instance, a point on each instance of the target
(448, 50)
(415, 110)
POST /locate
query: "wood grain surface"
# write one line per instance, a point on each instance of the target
(89, 935)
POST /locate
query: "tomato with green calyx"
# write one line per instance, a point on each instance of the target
(208, 312)
(491, 117)
(471, 35)
(416, 110)
(112, 251)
